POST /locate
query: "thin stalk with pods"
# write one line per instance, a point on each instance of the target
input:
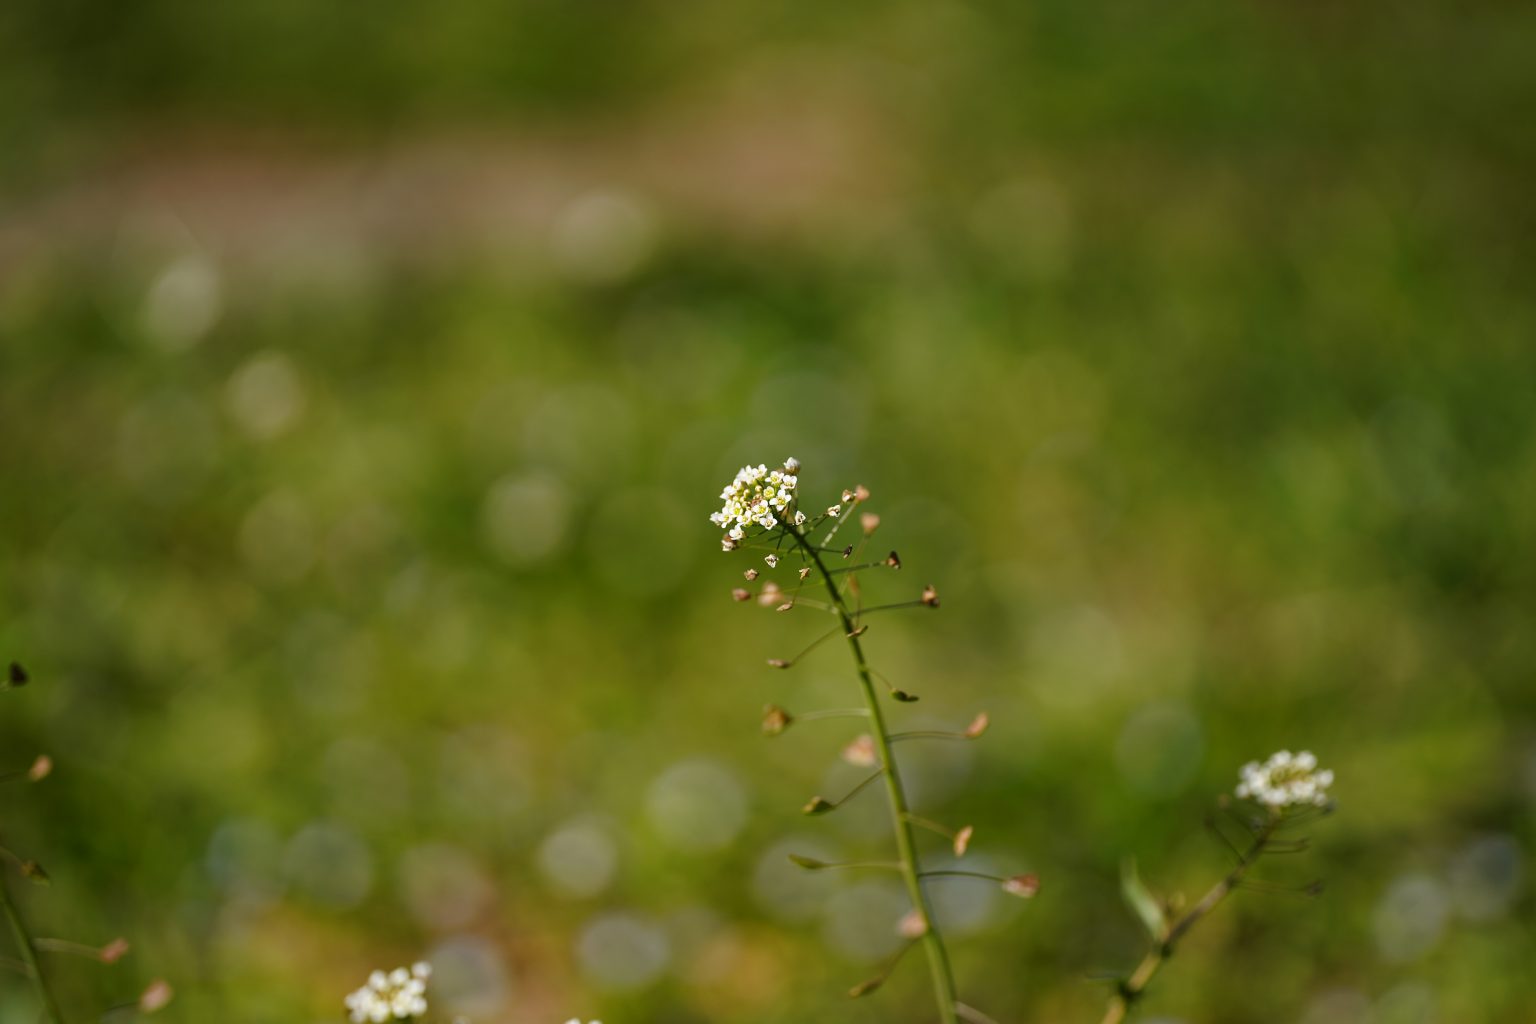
(25, 944)
(1292, 793)
(29, 947)
(761, 510)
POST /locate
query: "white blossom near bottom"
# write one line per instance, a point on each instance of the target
(400, 994)
(1286, 780)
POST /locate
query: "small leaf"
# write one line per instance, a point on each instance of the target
(1140, 899)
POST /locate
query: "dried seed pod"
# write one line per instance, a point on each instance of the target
(963, 840)
(776, 720)
(1022, 886)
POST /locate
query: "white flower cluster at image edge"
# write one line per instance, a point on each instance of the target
(1286, 780)
(400, 994)
(757, 497)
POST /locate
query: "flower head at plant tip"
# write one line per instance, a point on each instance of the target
(400, 994)
(757, 497)
(1284, 781)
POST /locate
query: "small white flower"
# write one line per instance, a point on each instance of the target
(755, 498)
(1285, 780)
(400, 994)
(772, 560)
(834, 510)
(799, 518)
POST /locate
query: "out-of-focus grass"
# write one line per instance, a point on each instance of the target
(367, 586)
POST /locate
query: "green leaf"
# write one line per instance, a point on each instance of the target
(1140, 899)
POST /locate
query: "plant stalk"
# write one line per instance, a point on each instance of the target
(906, 844)
(29, 956)
(1131, 989)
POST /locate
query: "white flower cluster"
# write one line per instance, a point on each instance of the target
(399, 995)
(756, 497)
(1286, 780)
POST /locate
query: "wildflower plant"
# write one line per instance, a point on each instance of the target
(800, 562)
(1290, 793)
(761, 512)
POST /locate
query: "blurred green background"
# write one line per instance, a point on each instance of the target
(367, 374)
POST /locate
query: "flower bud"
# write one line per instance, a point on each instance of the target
(777, 663)
(816, 805)
(978, 726)
(750, 574)
(861, 493)
(870, 522)
(792, 466)
(113, 951)
(930, 596)
(17, 676)
(741, 594)
(893, 560)
(40, 768)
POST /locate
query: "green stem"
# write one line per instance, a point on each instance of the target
(906, 844)
(1133, 987)
(29, 955)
